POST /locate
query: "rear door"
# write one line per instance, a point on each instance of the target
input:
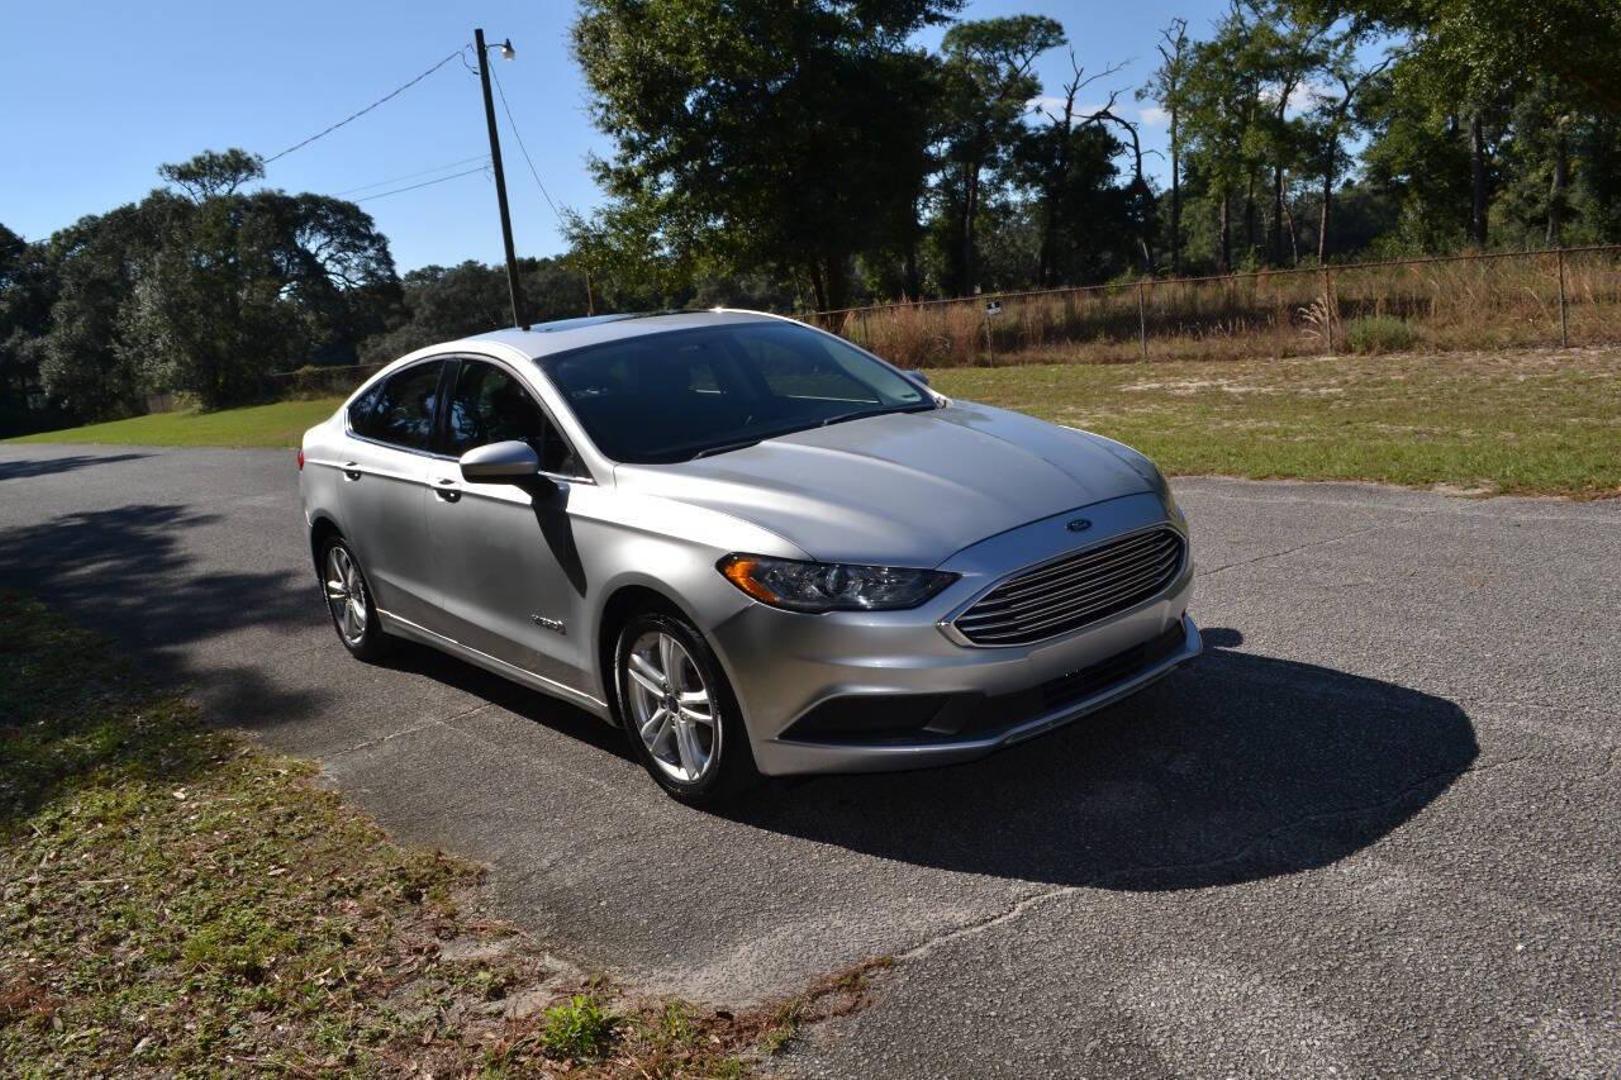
(387, 460)
(512, 581)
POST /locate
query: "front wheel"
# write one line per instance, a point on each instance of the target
(676, 705)
(349, 601)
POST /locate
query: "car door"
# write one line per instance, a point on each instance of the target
(387, 459)
(511, 580)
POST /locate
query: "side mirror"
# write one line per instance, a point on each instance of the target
(510, 462)
(919, 376)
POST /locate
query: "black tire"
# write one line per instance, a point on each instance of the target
(734, 772)
(370, 644)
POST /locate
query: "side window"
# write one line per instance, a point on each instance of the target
(400, 409)
(489, 405)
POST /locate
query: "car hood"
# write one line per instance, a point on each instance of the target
(902, 489)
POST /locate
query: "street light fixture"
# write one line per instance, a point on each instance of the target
(507, 53)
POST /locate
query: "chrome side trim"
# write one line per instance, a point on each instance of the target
(406, 628)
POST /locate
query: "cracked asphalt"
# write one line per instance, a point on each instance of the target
(1374, 830)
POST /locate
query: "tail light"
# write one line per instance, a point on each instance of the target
(301, 459)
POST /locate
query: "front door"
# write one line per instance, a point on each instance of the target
(511, 580)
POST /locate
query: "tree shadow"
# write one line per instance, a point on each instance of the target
(1235, 768)
(23, 469)
(127, 572)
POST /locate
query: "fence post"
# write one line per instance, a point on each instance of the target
(1330, 310)
(1564, 323)
(1142, 317)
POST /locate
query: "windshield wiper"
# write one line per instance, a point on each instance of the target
(857, 414)
(710, 451)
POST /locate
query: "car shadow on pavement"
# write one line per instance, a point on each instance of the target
(538, 708)
(22, 469)
(1234, 768)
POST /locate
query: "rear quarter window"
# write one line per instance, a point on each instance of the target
(399, 410)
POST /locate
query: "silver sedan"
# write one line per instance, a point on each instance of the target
(752, 545)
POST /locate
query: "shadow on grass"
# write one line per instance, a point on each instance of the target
(20, 470)
(1236, 768)
(72, 713)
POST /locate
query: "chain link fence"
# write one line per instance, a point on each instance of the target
(1558, 297)
(320, 381)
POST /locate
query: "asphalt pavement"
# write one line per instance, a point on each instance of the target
(1376, 829)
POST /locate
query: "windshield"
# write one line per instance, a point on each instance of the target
(675, 396)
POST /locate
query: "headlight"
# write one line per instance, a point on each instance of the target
(815, 587)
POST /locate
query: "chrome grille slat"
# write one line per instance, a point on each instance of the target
(1073, 602)
(1035, 578)
(1024, 601)
(1078, 610)
(1065, 595)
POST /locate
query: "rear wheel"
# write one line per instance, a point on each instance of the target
(678, 709)
(348, 600)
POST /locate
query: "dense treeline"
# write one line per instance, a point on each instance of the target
(819, 145)
(202, 289)
(813, 155)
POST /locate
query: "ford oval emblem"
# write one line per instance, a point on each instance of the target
(1079, 525)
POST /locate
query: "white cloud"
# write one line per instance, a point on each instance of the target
(1153, 116)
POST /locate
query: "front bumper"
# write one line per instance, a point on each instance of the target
(785, 667)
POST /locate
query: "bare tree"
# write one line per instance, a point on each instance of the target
(1167, 87)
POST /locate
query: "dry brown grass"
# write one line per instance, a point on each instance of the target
(1483, 303)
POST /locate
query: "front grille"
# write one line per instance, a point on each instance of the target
(1074, 591)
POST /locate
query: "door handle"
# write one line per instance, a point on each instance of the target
(447, 491)
(351, 473)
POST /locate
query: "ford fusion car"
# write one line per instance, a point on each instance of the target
(752, 545)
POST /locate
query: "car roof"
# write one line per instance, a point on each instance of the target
(544, 339)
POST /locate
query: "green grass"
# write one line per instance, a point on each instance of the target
(280, 424)
(1525, 422)
(1535, 423)
(177, 901)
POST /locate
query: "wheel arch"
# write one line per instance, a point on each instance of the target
(627, 600)
(322, 528)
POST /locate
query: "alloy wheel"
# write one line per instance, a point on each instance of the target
(671, 707)
(346, 595)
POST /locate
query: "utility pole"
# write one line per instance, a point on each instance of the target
(518, 319)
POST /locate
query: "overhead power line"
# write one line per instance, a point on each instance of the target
(357, 115)
(425, 183)
(513, 124)
(411, 175)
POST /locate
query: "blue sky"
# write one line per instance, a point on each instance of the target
(96, 95)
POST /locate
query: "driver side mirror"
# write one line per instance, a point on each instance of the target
(509, 462)
(919, 376)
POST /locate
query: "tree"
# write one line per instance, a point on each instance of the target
(443, 304)
(988, 81)
(1333, 120)
(1168, 89)
(1222, 98)
(1485, 43)
(1085, 229)
(746, 130)
(93, 265)
(212, 174)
